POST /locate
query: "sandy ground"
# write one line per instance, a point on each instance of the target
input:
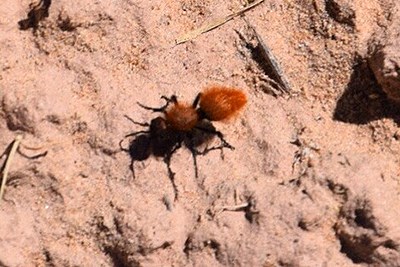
(313, 181)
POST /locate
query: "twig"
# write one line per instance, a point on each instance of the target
(214, 24)
(271, 62)
(239, 207)
(10, 156)
(31, 157)
(43, 154)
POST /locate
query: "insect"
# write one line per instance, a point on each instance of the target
(185, 124)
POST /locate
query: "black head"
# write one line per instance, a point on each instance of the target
(157, 125)
(140, 147)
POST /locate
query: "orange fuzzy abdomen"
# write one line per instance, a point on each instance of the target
(181, 117)
(220, 103)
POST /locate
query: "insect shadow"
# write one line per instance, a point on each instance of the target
(163, 140)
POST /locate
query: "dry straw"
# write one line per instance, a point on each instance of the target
(214, 24)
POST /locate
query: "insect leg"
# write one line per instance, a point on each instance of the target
(168, 100)
(171, 174)
(121, 147)
(194, 155)
(144, 124)
(196, 100)
(133, 168)
(136, 133)
(172, 99)
(128, 135)
(224, 144)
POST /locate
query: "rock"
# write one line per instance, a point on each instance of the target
(385, 61)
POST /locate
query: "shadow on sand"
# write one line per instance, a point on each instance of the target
(363, 100)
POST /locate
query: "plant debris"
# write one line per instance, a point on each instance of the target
(214, 24)
(37, 13)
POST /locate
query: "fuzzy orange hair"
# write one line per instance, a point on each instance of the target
(182, 117)
(220, 103)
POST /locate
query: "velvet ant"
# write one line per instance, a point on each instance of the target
(185, 124)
